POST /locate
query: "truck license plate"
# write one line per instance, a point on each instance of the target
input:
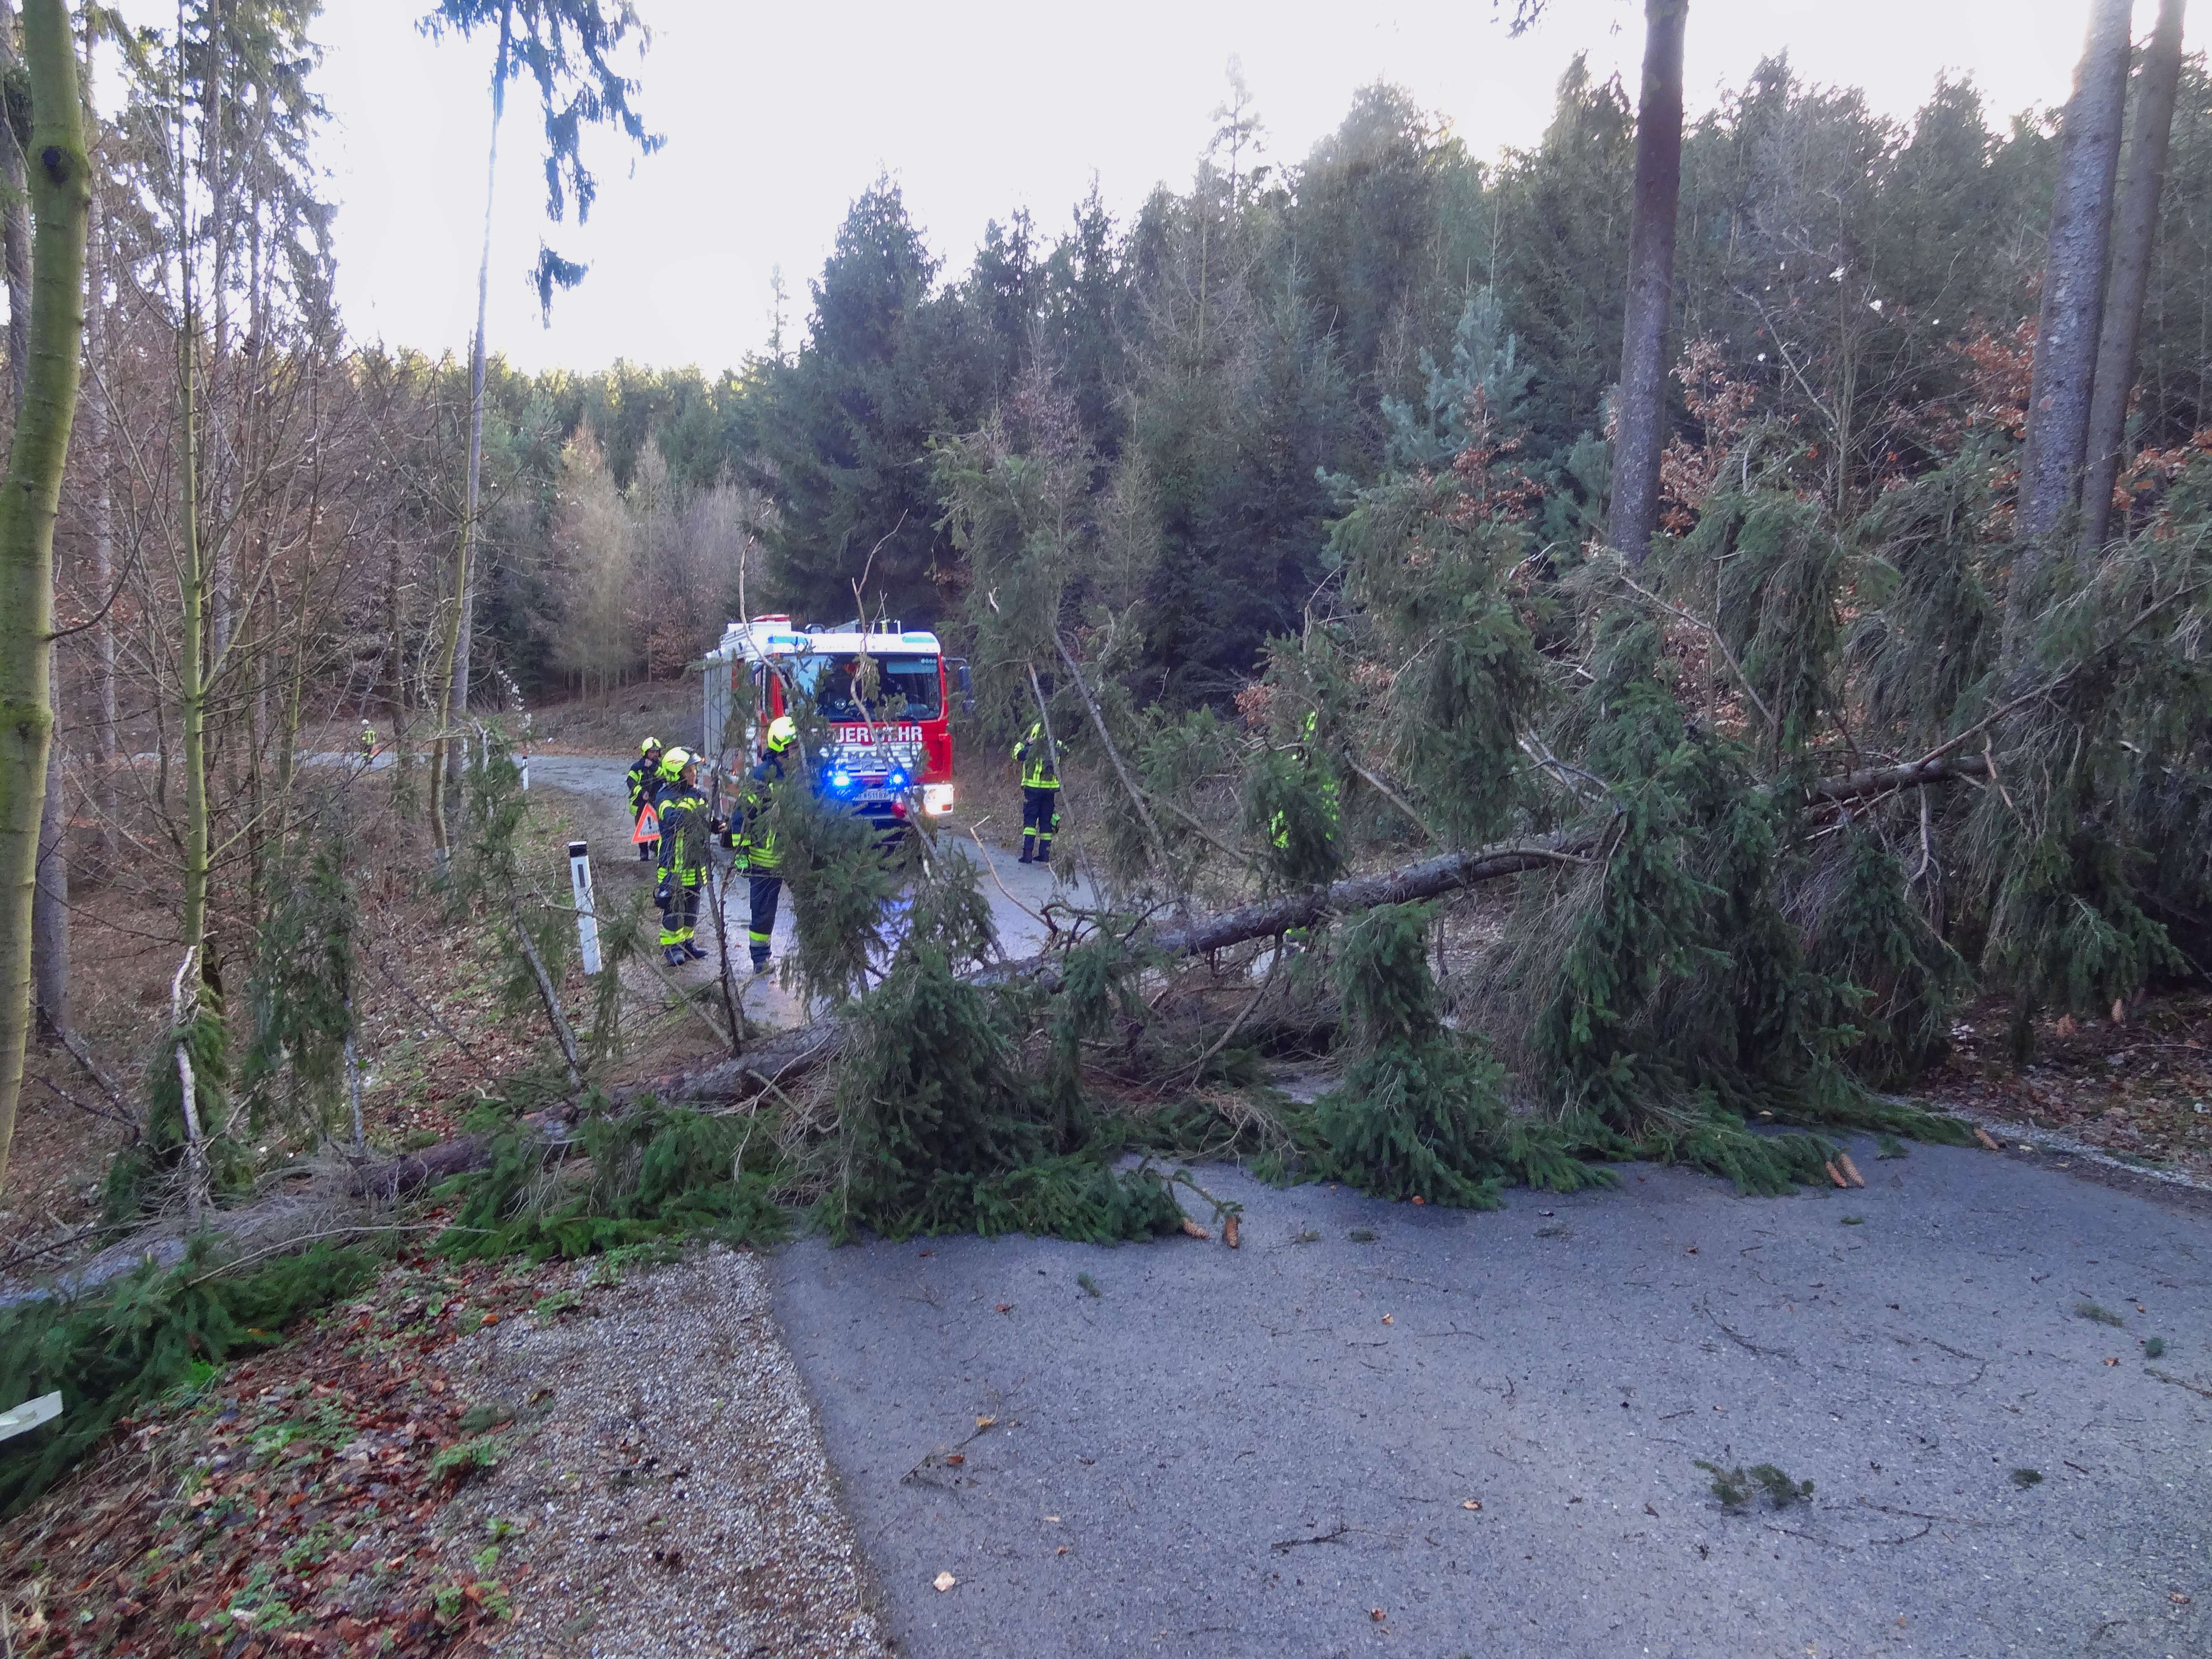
(877, 794)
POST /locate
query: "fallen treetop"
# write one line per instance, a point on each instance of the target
(786, 1056)
(790, 1054)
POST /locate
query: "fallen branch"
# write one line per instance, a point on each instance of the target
(1882, 780)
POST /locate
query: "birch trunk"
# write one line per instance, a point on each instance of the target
(61, 196)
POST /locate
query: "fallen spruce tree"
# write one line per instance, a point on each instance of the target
(1765, 811)
(781, 1058)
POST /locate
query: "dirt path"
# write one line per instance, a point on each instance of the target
(1274, 1451)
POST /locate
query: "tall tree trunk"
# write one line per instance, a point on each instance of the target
(15, 226)
(49, 916)
(2132, 240)
(220, 462)
(2073, 301)
(191, 646)
(1641, 410)
(453, 678)
(50, 892)
(61, 195)
(103, 548)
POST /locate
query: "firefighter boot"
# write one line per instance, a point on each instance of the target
(691, 950)
(673, 954)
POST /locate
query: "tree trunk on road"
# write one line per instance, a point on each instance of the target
(1640, 409)
(2132, 240)
(61, 196)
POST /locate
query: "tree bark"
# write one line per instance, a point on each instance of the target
(14, 228)
(2073, 303)
(49, 916)
(2132, 240)
(61, 195)
(453, 677)
(50, 892)
(103, 547)
(1640, 410)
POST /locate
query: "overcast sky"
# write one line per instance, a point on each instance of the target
(776, 117)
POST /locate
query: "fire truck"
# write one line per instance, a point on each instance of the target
(890, 756)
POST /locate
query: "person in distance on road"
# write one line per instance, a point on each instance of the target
(1038, 755)
(754, 842)
(644, 785)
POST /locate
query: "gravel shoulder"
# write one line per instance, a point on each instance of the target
(1273, 1450)
(671, 1477)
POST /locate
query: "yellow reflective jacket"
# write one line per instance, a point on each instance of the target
(685, 826)
(1034, 755)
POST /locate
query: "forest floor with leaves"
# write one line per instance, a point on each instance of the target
(2138, 1089)
(493, 1459)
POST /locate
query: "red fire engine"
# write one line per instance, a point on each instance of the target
(889, 756)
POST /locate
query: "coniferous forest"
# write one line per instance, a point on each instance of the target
(1680, 644)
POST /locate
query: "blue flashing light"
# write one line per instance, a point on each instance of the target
(841, 780)
(896, 781)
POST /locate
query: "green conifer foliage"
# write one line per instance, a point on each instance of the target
(141, 1336)
(1775, 558)
(142, 1175)
(1862, 929)
(1682, 1003)
(842, 885)
(1419, 1114)
(1442, 630)
(654, 1172)
(299, 996)
(1927, 627)
(944, 1128)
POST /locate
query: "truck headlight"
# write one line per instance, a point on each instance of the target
(936, 799)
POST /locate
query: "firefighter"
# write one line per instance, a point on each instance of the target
(686, 830)
(368, 743)
(1040, 794)
(644, 785)
(1279, 828)
(755, 842)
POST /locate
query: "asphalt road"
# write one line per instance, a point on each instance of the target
(1018, 892)
(1272, 1451)
(1232, 1453)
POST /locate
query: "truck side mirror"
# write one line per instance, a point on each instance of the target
(967, 685)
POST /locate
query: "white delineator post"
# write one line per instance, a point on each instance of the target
(588, 917)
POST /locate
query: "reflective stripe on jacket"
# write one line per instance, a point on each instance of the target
(1034, 755)
(756, 843)
(684, 827)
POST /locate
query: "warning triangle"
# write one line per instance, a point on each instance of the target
(648, 825)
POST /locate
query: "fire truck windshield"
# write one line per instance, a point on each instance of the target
(907, 688)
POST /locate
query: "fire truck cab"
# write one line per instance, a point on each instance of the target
(889, 758)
